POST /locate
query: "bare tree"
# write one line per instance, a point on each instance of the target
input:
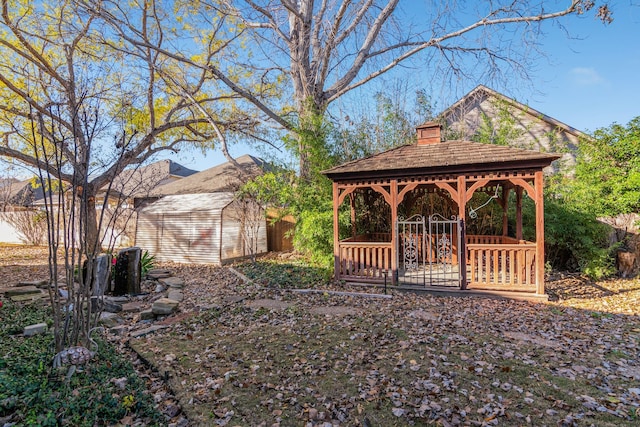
(327, 48)
(31, 225)
(79, 105)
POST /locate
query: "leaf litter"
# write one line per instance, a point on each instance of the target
(321, 359)
(275, 357)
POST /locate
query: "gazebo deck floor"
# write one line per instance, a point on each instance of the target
(513, 293)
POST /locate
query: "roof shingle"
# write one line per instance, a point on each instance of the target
(444, 157)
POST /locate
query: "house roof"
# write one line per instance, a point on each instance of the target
(19, 193)
(139, 182)
(185, 203)
(224, 177)
(483, 91)
(446, 157)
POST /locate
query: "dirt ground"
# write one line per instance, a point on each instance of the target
(239, 354)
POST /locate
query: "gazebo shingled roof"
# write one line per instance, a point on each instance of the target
(445, 157)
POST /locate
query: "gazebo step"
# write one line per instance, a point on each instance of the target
(445, 291)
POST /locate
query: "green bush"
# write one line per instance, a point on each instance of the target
(574, 239)
(147, 262)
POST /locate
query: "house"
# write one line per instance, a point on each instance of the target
(139, 182)
(118, 221)
(221, 178)
(531, 129)
(15, 194)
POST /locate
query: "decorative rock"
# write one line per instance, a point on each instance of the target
(101, 275)
(175, 295)
(27, 297)
(23, 290)
(127, 275)
(164, 306)
(110, 306)
(39, 328)
(158, 273)
(160, 288)
(37, 283)
(117, 299)
(119, 330)
(132, 307)
(109, 320)
(147, 315)
(172, 282)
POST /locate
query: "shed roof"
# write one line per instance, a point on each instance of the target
(445, 157)
(185, 203)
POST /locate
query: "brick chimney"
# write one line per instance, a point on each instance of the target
(429, 133)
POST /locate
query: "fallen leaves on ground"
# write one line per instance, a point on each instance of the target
(323, 359)
(410, 360)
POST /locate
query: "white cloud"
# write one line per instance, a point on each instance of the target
(586, 76)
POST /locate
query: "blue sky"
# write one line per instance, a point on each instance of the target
(588, 79)
(593, 80)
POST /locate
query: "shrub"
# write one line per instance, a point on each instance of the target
(574, 240)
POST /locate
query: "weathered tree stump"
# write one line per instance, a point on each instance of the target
(128, 271)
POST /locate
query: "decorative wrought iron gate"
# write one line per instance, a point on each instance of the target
(429, 255)
(412, 254)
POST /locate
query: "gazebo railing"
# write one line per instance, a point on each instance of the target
(364, 261)
(496, 262)
(502, 265)
(473, 239)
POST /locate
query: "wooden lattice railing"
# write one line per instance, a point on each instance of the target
(510, 265)
(492, 261)
(364, 261)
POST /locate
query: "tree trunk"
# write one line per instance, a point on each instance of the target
(91, 231)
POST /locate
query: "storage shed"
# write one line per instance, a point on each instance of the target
(210, 228)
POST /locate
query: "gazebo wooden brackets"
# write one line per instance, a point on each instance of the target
(461, 189)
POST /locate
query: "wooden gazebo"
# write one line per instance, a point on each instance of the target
(428, 248)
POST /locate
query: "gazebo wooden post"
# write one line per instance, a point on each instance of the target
(336, 231)
(539, 188)
(352, 206)
(462, 216)
(519, 212)
(394, 231)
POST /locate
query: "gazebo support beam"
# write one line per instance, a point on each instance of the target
(336, 230)
(519, 191)
(505, 210)
(394, 231)
(539, 186)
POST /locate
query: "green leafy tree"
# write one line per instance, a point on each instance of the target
(607, 173)
(79, 105)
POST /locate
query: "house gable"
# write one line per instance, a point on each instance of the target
(535, 130)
